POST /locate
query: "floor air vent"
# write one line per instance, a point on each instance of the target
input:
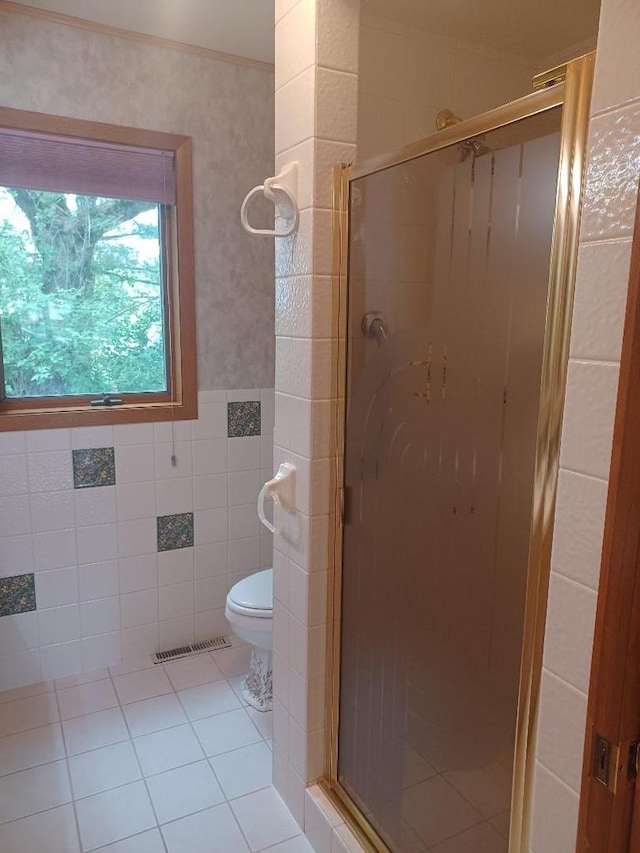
(195, 649)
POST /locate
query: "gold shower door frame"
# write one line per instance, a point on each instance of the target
(570, 87)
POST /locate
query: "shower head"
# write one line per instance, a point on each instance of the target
(475, 147)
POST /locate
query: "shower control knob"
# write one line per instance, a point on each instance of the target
(375, 327)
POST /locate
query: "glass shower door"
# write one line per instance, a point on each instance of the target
(449, 259)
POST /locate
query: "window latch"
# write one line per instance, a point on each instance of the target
(107, 400)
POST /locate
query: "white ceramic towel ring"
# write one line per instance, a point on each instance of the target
(282, 190)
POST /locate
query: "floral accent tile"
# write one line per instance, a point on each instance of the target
(243, 419)
(175, 531)
(94, 467)
(17, 595)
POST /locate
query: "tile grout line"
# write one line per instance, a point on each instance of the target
(66, 761)
(262, 738)
(235, 817)
(135, 752)
(566, 684)
(558, 779)
(208, 758)
(29, 696)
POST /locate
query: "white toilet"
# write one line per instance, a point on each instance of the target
(249, 611)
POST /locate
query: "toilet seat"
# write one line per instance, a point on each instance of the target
(253, 596)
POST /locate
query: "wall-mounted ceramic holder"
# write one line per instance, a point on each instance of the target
(282, 491)
(282, 190)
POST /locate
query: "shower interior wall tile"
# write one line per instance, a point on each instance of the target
(482, 82)
(376, 137)
(613, 167)
(113, 567)
(407, 75)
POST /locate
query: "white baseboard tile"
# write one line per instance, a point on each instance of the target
(324, 826)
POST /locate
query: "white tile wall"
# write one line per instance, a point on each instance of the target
(316, 110)
(103, 592)
(612, 186)
(325, 827)
(310, 106)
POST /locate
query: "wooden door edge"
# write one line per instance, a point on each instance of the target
(604, 816)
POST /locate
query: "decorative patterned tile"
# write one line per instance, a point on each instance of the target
(243, 419)
(17, 595)
(175, 531)
(94, 467)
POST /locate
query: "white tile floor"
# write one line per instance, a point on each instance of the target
(141, 759)
(455, 812)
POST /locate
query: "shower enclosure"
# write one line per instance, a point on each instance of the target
(458, 259)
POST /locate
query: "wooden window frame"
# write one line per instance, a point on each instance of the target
(180, 401)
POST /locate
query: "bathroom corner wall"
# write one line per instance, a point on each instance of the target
(316, 108)
(613, 168)
(105, 584)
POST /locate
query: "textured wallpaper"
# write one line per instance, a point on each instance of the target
(227, 110)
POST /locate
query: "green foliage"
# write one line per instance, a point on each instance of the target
(81, 303)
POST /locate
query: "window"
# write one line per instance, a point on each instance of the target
(96, 274)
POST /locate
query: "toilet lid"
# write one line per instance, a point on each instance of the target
(254, 592)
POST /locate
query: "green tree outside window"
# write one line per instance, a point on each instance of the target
(81, 295)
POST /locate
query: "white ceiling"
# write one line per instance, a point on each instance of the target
(531, 29)
(240, 27)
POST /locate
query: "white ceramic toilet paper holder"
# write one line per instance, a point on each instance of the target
(282, 190)
(282, 491)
